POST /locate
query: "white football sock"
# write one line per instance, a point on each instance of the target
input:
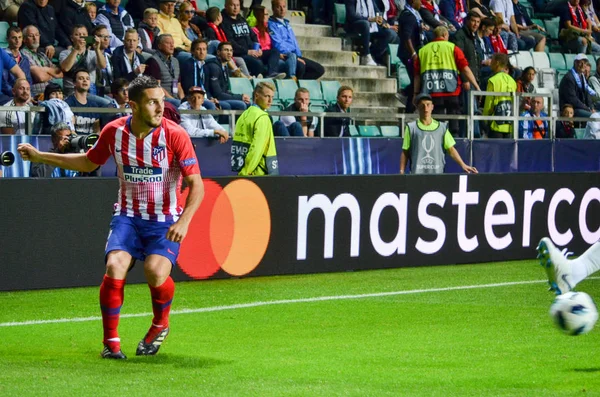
(586, 264)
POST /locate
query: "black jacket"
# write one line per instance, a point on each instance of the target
(217, 81)
(72, 14)
(571, 92)
(45, 20)
(239, 34)
(466, 42)
(119, 63)
(333, 125)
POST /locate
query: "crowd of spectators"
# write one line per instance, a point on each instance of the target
(90, 51)
(448, 47)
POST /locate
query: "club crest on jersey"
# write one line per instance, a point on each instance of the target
(159, 153)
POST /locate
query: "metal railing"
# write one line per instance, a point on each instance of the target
(399, 119)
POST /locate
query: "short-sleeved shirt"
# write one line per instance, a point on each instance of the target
(505, 7)
(37, 59)
(84, 122)
(91, 65)
(12, 119)
(448, 139)
(150, 170)
(7, 62)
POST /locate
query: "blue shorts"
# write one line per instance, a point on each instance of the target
(140, 238)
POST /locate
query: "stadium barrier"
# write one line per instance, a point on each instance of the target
(55, 230)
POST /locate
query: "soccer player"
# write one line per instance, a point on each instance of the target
(565, 274)
(152, 155)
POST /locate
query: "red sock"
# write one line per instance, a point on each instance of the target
(162, 296)
(111, 300)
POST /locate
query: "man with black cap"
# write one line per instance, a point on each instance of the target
(432, 140)
(200, 125)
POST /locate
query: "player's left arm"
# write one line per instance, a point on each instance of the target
(179, 229)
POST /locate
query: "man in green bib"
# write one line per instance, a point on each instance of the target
(426, 142)
(253, 150)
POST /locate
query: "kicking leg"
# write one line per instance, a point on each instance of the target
(587, 264)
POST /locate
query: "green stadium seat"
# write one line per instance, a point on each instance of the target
(552, 30)
(339, 14)
(593, 62)
(390, 131)
(393, 60)
(579, 133)
(369, 131)
(330, 89)
(240, 85)
(202, 5)
(286, 90)
(314, 88)
(353, 130)
(570, 60)
(4, 26)
(557, 61)
(217, 3)
(403, 78)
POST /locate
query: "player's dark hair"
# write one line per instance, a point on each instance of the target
(139, 85)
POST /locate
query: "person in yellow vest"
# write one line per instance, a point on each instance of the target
(253, 151)
(500, 105)
(438, 71)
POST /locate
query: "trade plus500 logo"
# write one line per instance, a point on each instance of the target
(230, 230)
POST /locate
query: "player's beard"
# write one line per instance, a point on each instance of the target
(154, 121)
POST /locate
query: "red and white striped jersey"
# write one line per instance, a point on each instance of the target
(150, 170)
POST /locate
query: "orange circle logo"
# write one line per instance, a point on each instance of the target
(230, 230)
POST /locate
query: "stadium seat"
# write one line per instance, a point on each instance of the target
(330, 89)
(3, 30)
(540, 60)
(287, 90)
(579, 133)
(202, 4)
(369, 131)
(240, 85)
(390, 131)
(353, 130)
(569, 60)
(557, 61)
(546, 75)
(403, 78)
(217, 3)
(593, 62)
(393, 62)
(314, 88)
(524, 59)
(552, 29)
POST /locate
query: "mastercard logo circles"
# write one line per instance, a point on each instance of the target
(230, 230)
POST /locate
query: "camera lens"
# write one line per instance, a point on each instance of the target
(7, 159)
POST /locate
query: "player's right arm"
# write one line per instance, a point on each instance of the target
(70, 161)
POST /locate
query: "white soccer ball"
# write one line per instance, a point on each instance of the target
(574, 313)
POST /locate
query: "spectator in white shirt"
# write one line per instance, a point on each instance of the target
(14, 122)
(200, 125)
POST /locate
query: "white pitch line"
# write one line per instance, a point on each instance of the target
(276, 302)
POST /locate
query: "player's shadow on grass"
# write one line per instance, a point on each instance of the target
(586, 369)
(178, 360)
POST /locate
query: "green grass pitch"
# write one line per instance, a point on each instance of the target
(470, 330)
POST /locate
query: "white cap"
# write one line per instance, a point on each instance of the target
(581, 57)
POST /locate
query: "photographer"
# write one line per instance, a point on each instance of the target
(81, 57)
(63, 141)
